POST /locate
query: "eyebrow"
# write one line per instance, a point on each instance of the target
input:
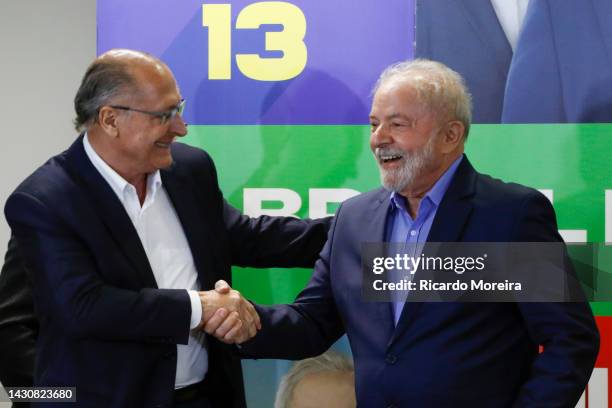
(170, 107)
(401, 116)
(396, 116)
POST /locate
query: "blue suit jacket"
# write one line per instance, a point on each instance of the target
(105, 327)
(466, 36)
(440, 354)
(559, 73)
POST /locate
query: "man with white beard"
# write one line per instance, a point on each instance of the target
(410, 354)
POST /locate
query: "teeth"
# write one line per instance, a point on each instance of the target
(386, 158)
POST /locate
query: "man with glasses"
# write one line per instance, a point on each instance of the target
(163, 116)
(124, 236)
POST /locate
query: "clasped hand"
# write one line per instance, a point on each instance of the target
(227, 315)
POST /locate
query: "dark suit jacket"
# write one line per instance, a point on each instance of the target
(466, 36)
(559, 73)
(105, 327)
(440, 354)
(561, 69)
(18, 323)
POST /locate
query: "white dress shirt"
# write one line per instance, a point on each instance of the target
(167, 249)
(511, 14)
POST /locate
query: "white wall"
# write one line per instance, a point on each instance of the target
(45, 47)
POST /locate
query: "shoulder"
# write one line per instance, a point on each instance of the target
(43, 196)
(495, 193)
(49, 180)
(359, 208)
(366, 200)
(192, 161)
(528, 214)
(189, 155)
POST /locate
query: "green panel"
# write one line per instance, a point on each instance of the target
(572, 160)
(294, 157)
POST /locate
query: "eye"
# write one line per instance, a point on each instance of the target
(166, 116)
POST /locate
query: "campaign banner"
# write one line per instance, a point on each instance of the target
(279, 92)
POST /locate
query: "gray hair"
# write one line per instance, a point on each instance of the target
(330, 361)
(104, 79)
(441, 89)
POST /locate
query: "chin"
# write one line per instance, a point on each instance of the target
(167, 163)
(393, 181)
(166, 160)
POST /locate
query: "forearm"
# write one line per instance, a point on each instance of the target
(289, 333)
(274, 241)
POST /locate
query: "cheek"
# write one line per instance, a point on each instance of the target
(410, 145)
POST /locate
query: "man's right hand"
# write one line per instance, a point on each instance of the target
(227, 315)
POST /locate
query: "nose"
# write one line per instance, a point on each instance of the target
(178, 125)
(379, 136)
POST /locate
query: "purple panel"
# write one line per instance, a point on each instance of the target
(349, 42)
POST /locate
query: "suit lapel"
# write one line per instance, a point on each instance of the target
(184, 200)
(110, 210)
(482, 18)
(455, 208)
(448, 226)
(375, 231)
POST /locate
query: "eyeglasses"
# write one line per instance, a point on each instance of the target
(164, 116)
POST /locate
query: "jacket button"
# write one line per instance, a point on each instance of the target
(170, 354)
(390, 359)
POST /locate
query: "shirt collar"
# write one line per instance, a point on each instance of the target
(116, 182)
(435, 194)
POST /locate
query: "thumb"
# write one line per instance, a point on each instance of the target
(222, 287)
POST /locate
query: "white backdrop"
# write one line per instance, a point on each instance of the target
(45, 47)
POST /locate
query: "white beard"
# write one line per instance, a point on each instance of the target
(414, 163)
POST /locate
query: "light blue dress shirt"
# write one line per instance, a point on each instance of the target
(402, 229)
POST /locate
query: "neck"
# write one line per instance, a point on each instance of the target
(103, 149)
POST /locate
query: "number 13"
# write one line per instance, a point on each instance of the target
(217, 17)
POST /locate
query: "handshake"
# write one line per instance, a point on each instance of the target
(227, 315)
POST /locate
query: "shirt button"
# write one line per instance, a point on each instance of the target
(412, 233)
(391, 359)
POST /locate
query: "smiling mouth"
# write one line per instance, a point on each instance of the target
(163, 145)
(389, 158)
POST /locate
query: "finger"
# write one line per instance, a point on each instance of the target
(238, 334)
(249, 327)
(254, 316)
(252, 331)
(222, 287)
(248, 320)
(229, 323)
(246, 314)
(215, 320)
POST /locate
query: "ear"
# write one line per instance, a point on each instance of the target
(108, 120)
(453, 135)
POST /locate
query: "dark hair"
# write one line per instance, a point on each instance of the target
(103, 80)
